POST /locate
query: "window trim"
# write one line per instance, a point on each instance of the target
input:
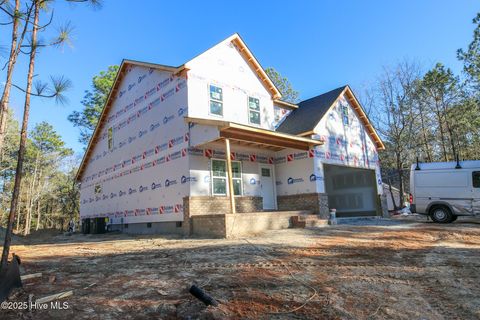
(250, 110)
(210, 99)
(226, 178)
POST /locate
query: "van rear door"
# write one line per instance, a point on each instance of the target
(476, 192)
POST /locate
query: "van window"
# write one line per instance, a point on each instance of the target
(441, 179)
(476, 179)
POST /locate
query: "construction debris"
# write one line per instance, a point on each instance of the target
(203, 296)
(54, 297)
(30, 276)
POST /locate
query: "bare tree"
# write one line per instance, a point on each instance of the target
(394, 105)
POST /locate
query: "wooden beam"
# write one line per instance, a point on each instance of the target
(30, 276)
(53, 297)
(230, 176)
(271, 141)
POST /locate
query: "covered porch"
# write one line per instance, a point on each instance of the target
(240, 197)
(234, 138)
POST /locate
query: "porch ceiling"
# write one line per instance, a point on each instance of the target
(251, 136)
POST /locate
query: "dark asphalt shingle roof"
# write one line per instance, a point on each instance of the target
(309, 113)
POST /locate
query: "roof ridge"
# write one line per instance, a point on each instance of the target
(341, 87)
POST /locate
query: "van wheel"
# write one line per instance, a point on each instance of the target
(441, 214)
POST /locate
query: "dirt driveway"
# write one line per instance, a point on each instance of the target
(401, 271)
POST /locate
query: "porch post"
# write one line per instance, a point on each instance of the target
(229, 176)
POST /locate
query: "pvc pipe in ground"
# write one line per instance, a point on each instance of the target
(332, 219)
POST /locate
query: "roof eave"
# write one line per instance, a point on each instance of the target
(285, 104)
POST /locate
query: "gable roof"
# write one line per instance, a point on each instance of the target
(309, 113)
(302, 121)
(237, 42)
(246, 54)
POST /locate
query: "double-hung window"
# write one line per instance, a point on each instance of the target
(216, 100)
(345, 114)
(219, 177)
(254, 110)
(110, 138)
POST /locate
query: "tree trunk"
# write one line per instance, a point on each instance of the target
(28, 217)
(400, 179)
(12, 59)
(440, 127)
(450, 131)
(11, 64)
(424, 134)
(395, 207)
(23, 142)
(39, 215)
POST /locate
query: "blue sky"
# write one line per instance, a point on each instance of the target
(318, 45)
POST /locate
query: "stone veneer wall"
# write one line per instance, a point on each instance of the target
(315, 202)
(205, 205)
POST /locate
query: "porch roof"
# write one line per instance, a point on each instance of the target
(252, 136)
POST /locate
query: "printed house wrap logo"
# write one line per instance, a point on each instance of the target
(294, 180)
(154, 126)
(314, 177)
(155, 185)
(169, 183)
(141, 133)
(167, 119)
(182, 111)
(166, 209)
(185, 179)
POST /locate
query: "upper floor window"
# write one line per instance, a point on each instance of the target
(345, 114)
(216, 100)
(110, 138)
(253, 110)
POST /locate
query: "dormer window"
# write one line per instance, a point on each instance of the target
(254, 110)
(216, 100)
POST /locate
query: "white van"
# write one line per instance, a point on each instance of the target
(445, 190)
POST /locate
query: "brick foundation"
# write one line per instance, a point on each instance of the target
(315, 202)
(205, 205)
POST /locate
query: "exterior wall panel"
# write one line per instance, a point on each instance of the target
(346, 144)
(140, 177)
(223, 66)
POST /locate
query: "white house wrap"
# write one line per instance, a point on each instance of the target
(161, 140)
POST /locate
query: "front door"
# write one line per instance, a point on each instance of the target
(267, 183)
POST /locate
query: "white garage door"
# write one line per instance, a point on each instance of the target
(352, 191)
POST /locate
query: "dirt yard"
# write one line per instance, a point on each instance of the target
(411, 270)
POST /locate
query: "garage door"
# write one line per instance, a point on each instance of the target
(352, 191)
